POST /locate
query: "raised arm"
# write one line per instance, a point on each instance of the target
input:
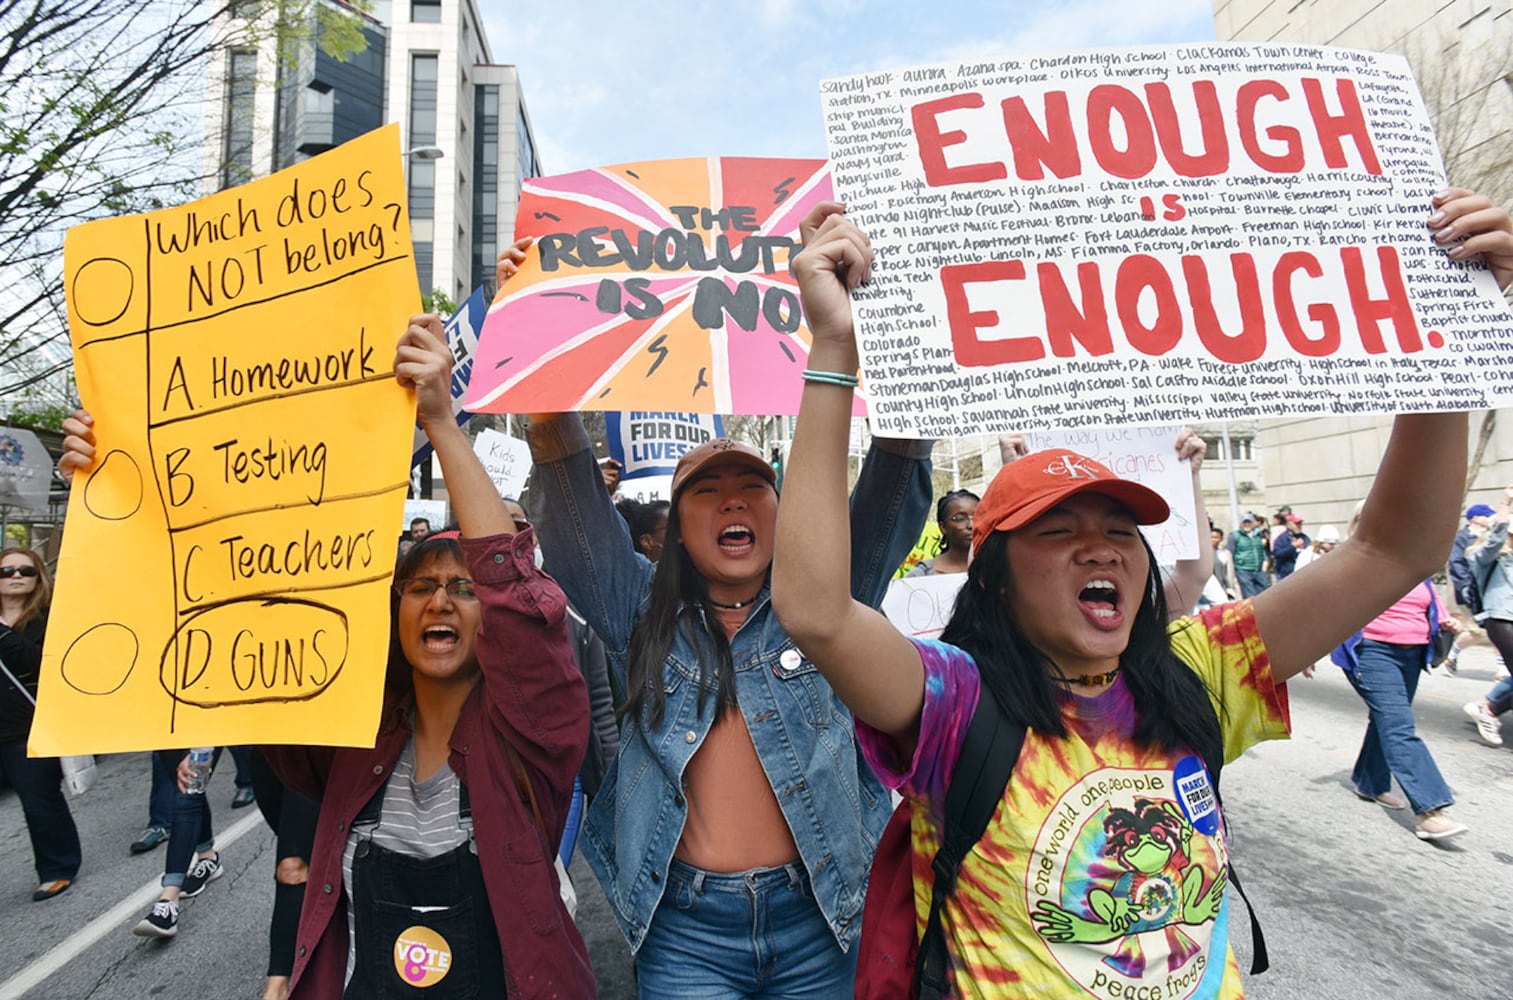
(534, 692)
(1419, 484)
(1482, 554)
(1190, 576)
(874, 669)
(584, 539)
(423, 363)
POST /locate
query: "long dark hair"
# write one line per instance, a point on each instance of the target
(641, 518)
(1172, 705)
(679, 600)
(397, 676)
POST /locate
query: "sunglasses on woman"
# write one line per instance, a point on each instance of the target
(6, 572)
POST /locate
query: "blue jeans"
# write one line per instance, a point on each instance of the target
(164, 788)
(753, 935)
(190, 832)
(1252, 581)
(574, 821)
(1501, 696)
(1387, 680)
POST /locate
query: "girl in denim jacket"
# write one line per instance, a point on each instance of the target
(734, 831)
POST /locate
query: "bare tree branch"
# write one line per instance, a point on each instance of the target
(101, 115)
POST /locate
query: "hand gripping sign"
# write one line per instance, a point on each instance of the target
(226, 562)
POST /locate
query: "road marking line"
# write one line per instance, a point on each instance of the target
(81, 940)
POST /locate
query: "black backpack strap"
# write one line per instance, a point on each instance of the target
(1259, 960)
(988, 754)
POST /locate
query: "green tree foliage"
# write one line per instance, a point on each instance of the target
(439, 302)
(101, 107)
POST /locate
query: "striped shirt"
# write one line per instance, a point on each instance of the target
(419, 818)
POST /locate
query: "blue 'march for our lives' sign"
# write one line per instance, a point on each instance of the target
(648, 443)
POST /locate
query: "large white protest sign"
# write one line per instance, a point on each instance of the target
(507, 460)
(1155, 236)
(645, 489)
(1147, 455)
(920, 606)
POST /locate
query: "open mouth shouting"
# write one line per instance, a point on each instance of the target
(737, 540)
(1100, 601)
(439, 639)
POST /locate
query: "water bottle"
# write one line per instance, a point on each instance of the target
(200, 761)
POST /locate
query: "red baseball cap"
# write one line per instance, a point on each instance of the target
(719, 450)
(1032, 485)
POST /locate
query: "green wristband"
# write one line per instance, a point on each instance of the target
(831, 378)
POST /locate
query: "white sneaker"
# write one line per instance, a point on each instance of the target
(1487, 726)
(1436, 824)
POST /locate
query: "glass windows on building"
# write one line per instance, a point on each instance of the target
(241, 89)
(425, 11)
(316, 118)
(423, 265)
(422, 172)
(485, 183)
(1242, 449)
(526, 153)
(423, 78)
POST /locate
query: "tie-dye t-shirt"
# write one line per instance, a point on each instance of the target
(1102, 873)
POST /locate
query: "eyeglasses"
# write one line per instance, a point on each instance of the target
(6, 572)
(424, 587)
(961, 517)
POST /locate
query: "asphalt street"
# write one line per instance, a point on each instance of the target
(1354, 906)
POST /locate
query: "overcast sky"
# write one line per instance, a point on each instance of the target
(611, 81)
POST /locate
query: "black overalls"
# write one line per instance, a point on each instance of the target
(423, 925)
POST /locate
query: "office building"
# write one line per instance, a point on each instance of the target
(427, 65)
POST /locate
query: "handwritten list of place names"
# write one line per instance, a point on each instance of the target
(1152, 236)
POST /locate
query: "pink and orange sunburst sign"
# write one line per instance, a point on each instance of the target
(658, 285)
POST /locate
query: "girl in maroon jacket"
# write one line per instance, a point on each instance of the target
(432, 869)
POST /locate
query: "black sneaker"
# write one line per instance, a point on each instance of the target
(161, 922)
(201, 873)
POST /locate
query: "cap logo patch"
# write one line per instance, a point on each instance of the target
(1071, 467)
(722, 444)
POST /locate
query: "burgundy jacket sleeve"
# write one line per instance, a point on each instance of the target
(534, 694)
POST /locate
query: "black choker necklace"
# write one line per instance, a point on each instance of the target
(1094, 680)
(738, 605)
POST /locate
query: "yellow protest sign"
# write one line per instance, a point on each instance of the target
(225, 564)
(929, 546)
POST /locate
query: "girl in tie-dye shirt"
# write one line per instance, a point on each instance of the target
(1102, 872)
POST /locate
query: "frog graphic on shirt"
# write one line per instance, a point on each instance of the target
(1158, 888)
